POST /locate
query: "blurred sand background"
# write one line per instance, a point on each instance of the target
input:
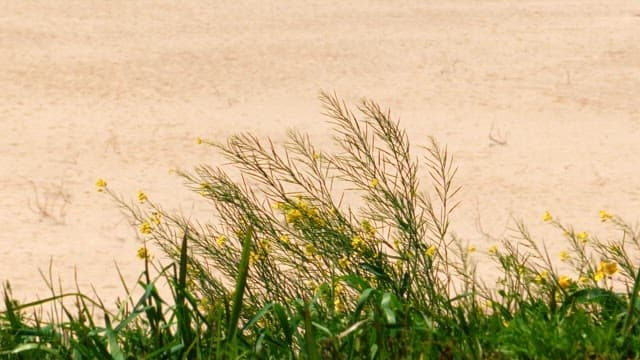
(121, 89)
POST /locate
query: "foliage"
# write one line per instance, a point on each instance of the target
(294, 270)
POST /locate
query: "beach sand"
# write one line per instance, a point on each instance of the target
(120, 90)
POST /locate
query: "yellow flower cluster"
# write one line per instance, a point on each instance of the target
(368, 229)
(546, 217)
(221, 240)
(344, 262)
(143, 253)
(145, 228)
(337, 303)
(583, 237)
(358, 244)
(142, 197)
(431, 250)
(374, 183)
(101, 185)
(309, 250)
(542, 277)
(604, 216)
(605, 268)
(156, 217)
(284, 238)
(564, 255)
(254, 258)
(565, 281)
(299, 213)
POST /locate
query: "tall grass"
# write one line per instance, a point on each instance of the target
(292, 270)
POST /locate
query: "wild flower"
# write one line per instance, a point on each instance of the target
(254, 258)
(221, 240)
(142, 197)
(541, 277)
(156, 217)
(604, 216)
(358, 244)
(145, 228)
(471, 249)
(431, 250)
(547, 217)
(309, 250)
(583, 237)
(564, 281)
(143, 253)
(344, 262)
(101, 185)
(564, 255)
(284, 238)
(293, 216)
(599, 275)
(374, 183)
(368, 229)
(608, 267)
(493, 250)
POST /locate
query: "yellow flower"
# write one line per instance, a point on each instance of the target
(284, 238)
(293, 216)
(337, 304)
(253, 258)
(357, 243)
(142, 197)
(368, 229)
(583, 237)
(265, 245)
(493, 250)
(599, 275)
(542, 277)
(431, 250)
(471, 249)
(220, 240)
(143, 253)
(546, 217)
(309, 250)
(374, 183)
(145, 228)
(156, 217)
(564, 281)
(344, 262)
(608, 267)
(101, 185)
(564, 255)
(316, 156)
(604, 216)
(198, 140)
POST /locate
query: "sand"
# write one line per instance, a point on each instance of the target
(120, 90)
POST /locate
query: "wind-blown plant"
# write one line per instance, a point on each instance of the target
(292, 269)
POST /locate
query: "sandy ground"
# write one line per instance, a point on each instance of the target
(121, 89)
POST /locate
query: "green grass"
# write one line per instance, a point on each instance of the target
(290, 270)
